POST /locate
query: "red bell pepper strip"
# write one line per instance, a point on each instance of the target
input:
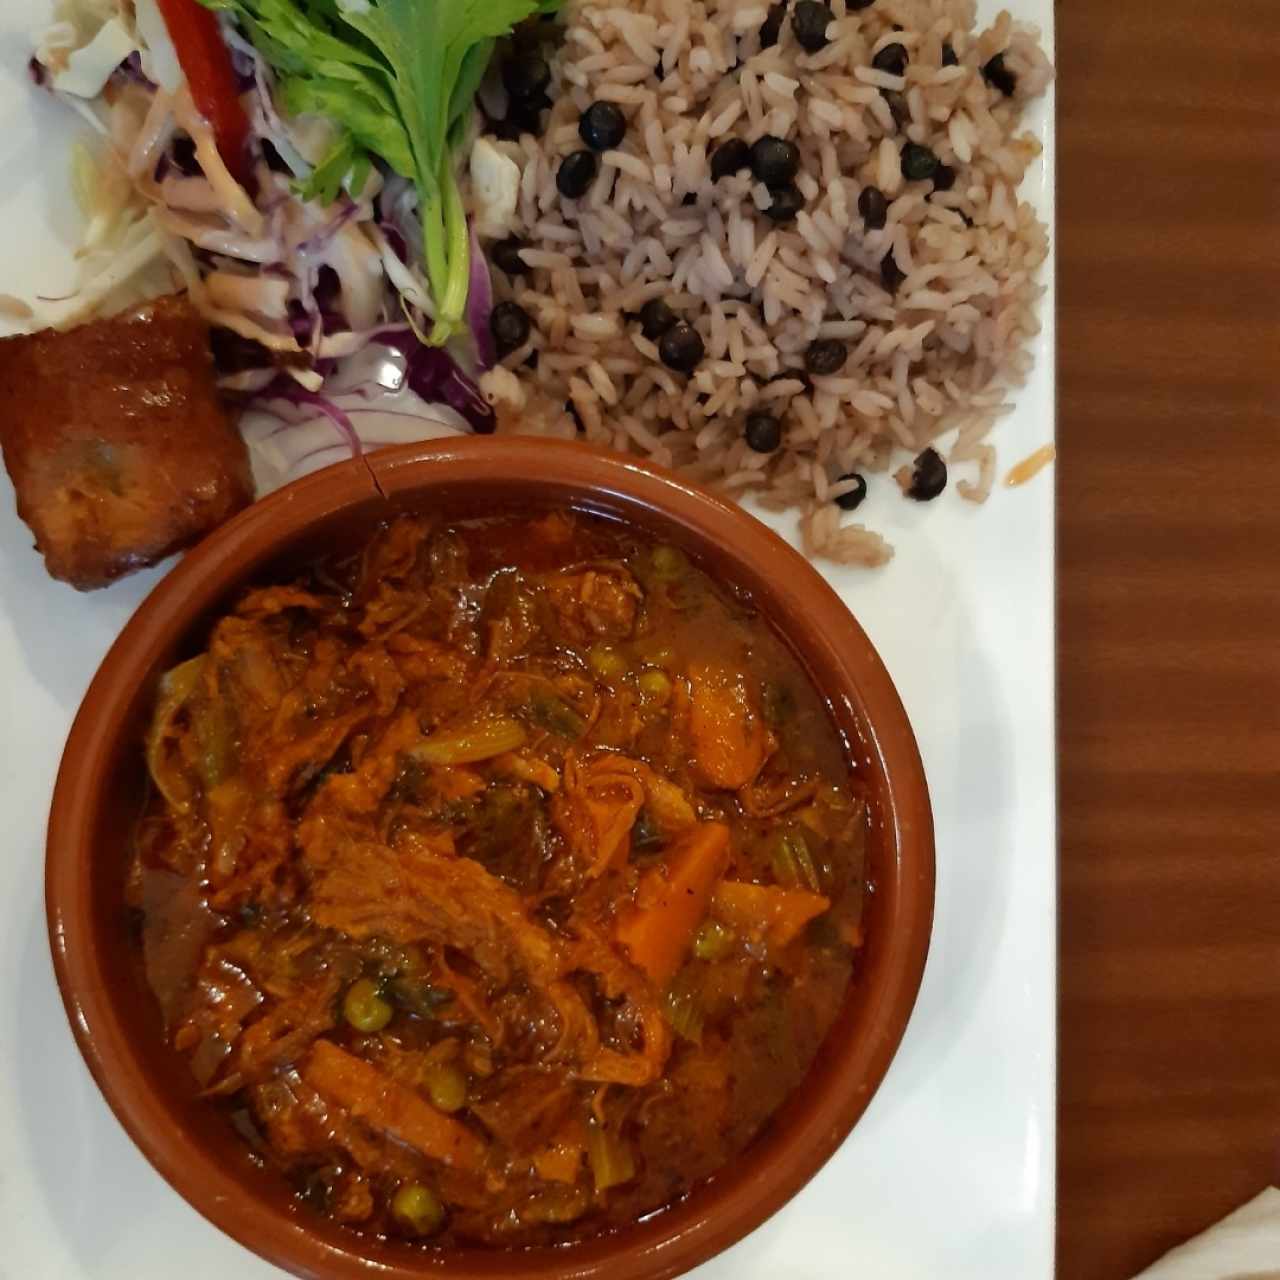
(206, 62)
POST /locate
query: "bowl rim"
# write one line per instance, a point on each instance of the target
(670, 1242)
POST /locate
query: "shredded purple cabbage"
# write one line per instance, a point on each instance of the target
(328, 295)
(234, 354)
(302, 323)
(397, 241)
(397, 209)
(131, 69)
(267, 119)
(322, 239)
(182, 155)
(433, 374)
(325, 314)
(244, 69)
(275, 161)
(480, 305)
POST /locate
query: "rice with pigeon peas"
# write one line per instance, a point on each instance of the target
(818, 206)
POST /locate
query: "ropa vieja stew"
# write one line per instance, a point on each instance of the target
(499, 881)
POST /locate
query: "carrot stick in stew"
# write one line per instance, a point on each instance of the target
(560, 1162)
(672, 900)
(383, 1103)
(766, 911)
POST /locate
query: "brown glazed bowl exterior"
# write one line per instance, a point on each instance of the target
(99, 789)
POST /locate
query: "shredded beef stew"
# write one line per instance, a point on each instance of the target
(499, 881)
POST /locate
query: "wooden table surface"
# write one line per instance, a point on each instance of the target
(1169, 641)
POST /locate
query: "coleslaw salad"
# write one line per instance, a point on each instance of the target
(227, 162)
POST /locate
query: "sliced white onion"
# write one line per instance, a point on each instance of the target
(294, 441)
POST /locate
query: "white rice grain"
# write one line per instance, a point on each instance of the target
(595, 325)
(628, 164)
(880, 79)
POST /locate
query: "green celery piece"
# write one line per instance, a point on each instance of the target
(335, 75)
(361, 167)
(474, 66)
(326, 179)
(398, 78)
(365, 119)
(300, 37)
(437, 54)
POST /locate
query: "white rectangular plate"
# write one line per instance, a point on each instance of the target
(951, 1170)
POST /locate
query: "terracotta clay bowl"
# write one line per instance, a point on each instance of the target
(99, 791)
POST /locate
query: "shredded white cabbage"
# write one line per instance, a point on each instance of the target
(359, 267)
(266, 296)
(406, 282)
(159, 58)
(212, 234)
(255, 263)
(105, 196)
(236, 202)
(191, 195)
(121, 259)
(89, 67)
(150, 137)
(131, 271)
(265, 120)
